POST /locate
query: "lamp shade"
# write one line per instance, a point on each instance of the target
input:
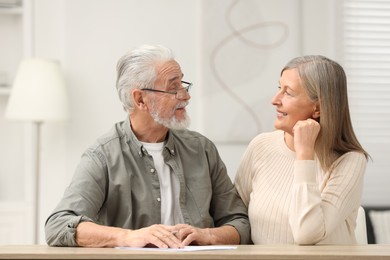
(38, 93)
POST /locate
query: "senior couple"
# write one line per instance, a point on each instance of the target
(151, 182)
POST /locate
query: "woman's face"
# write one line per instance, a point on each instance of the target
(292, 102)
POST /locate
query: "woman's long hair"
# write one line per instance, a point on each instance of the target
(325, 81)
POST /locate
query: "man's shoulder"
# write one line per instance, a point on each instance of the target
(189, 134)
(112, 136)
(189, 137)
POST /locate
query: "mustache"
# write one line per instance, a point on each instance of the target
(181, 105)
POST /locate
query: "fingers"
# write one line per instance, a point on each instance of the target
(183, 234)
(189, 238)
(308, 124)
(177, 236)
(162, 237)
(166, 241)
(305, 136)
(306, 129)
(191, 235)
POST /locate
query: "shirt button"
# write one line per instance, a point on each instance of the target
(152, 170)
(158, 199)
(172, 151)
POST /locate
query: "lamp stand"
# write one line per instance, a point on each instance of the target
(36, 160)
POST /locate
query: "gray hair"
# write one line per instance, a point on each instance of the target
(137, 69)
(325, 81)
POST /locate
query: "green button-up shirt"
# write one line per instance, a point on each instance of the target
(116, 184)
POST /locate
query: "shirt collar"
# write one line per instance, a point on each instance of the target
(132, 139)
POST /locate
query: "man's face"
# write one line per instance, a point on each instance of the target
(165, 108)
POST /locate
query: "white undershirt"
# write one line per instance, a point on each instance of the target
(169, 186)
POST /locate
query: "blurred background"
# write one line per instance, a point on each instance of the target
(232, 51)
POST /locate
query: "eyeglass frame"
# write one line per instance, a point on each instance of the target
(187, 89)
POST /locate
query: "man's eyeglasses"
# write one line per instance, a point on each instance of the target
(180, 93)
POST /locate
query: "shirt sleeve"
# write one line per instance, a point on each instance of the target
(81, 201)
(226, 206)
(316, 212)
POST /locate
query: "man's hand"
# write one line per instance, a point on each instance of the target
(161, 236)
(93, 235)
(191, 235)
(89, 234)
(206, 236)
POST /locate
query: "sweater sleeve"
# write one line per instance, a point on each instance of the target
(244, 175)
(316, 213)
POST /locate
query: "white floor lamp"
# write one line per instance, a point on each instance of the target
(38, 95)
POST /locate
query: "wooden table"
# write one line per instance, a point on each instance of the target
(243, 252)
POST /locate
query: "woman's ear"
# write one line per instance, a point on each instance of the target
(316, 112)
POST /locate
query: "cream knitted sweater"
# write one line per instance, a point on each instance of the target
(295, 202)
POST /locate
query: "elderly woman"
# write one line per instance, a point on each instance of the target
(303, 182)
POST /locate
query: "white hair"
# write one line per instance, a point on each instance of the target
(137, 69)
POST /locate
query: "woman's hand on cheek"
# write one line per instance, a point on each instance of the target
(305, 135)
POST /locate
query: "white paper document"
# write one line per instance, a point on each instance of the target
(185, 249)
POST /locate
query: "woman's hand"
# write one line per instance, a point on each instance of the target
(305, 135)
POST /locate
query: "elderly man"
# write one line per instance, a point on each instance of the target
(149, 181)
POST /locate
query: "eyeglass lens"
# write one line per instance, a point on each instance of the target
(182, 92)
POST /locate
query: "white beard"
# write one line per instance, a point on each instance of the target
(172, 123)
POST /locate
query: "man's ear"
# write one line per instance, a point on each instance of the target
(316, 113)
(138, 99)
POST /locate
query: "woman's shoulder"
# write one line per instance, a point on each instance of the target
(352, 159)
(267, 137)
(353, 156)
(266, 142)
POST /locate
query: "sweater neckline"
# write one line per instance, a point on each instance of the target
(283, 146)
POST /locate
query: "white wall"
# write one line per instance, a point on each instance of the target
(89, 36)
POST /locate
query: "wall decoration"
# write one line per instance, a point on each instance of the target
(245, 44)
